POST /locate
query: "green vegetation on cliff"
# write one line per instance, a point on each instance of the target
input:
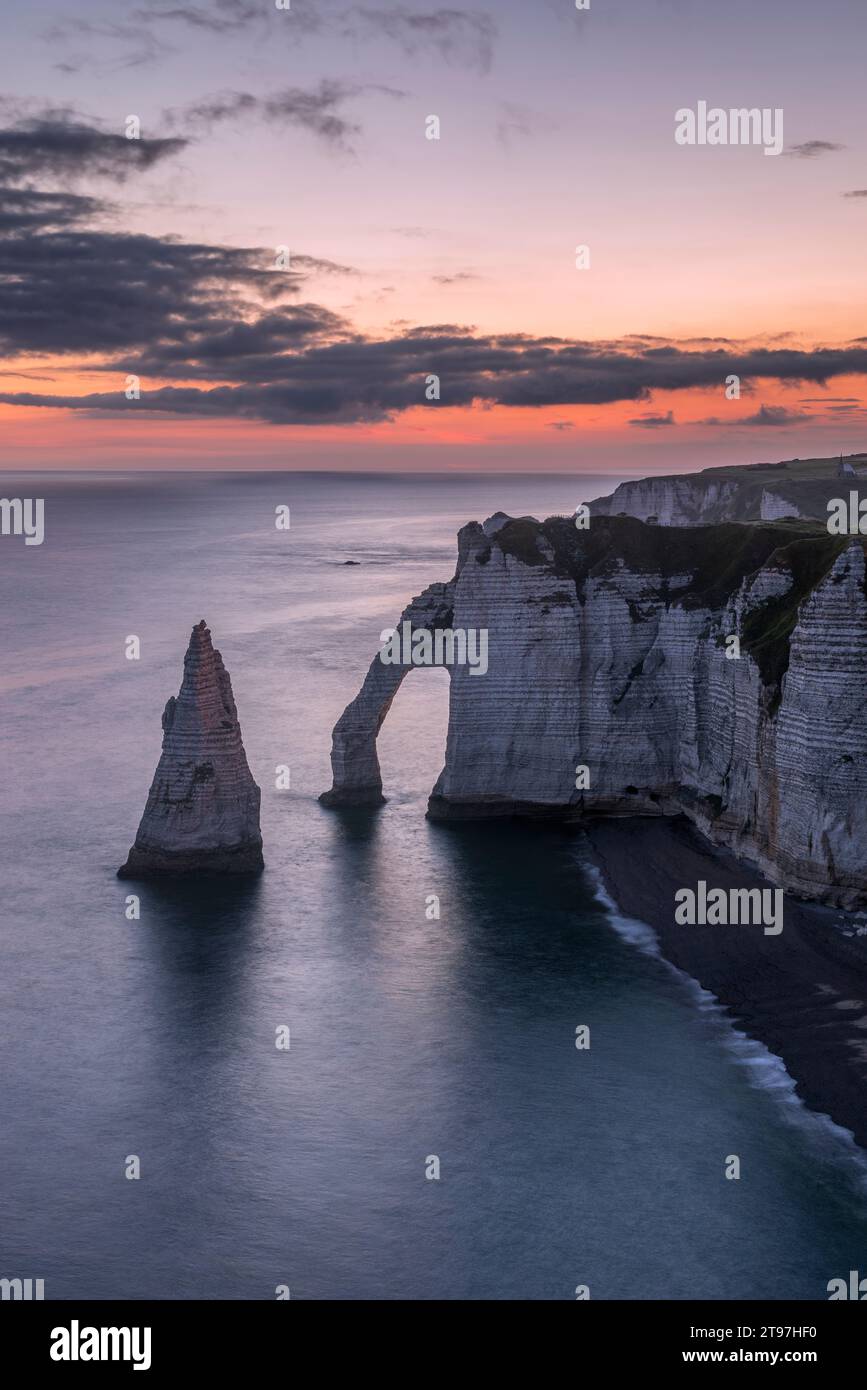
(704, 566)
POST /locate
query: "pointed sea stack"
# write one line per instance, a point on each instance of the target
(202, 812)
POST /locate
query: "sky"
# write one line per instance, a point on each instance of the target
(271, 271)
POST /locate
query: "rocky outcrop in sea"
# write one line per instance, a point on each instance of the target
(614, 687)
(202, 812)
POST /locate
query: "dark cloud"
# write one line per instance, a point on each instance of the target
(30, 376)
(856, 193)
(315, 265)
(775, 415)
(60, 146)
(23, 209)
(303, 367)
(439, 330)
(811, 149)
(766, 415)
(226, 321)
(653, 422)
(66, 287)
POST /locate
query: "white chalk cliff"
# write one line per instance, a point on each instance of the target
(607, 649)
(202, 812)
(688, 499)
(797, 488)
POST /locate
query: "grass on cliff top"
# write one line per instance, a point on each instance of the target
(805, 484)
(767, 629)
(796, 470)
(718, 557)
(519, 538)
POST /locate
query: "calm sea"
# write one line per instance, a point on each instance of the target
(409, 1038)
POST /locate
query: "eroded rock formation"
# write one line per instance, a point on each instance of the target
(609, 649)
(354, 761)
(202, 812)
(688, 499)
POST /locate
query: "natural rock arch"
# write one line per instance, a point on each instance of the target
(354, 757)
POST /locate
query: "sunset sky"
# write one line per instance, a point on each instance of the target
(305, 128)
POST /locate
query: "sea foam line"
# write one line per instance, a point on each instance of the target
(765, 1069)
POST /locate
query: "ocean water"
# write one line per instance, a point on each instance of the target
(409, 1038)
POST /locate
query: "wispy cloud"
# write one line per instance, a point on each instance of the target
(318, 110)
(653, 422)
(460, 277)
(772, 416)
(522, 123)
(812, 149)
(128, 45)
(219, 17)
(460, 37)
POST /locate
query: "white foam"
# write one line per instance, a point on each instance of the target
(765, 1070)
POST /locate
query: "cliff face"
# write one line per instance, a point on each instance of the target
(354, 762)
(798, 488)
(679, 500)
(607, 650)
(202, 812)
(773, 507)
